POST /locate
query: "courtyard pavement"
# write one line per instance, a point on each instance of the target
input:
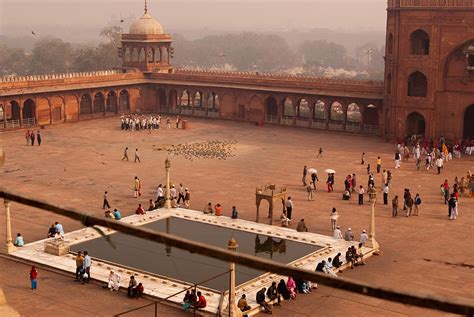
(78, 161)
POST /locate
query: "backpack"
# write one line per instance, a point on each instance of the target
(418, 200)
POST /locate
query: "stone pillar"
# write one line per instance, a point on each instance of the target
(372, 243)
(168, 55)
(9, 247)
(233, 309)
(168, 185)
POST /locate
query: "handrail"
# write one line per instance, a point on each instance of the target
(457, 305)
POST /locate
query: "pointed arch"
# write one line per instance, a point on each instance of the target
(124, 101)
(111, 105)
(85, 105)
(99, 103)
(415, 124)
(417, 84)
(419, 43)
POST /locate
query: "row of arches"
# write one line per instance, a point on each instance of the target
(51, 109)
(319, 110)
(197, 100)
(149, 54)
(18, 115)
(419, 43)
(100, 104)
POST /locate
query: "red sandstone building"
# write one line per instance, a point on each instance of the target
(428, 88)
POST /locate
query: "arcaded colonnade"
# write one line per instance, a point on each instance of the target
(338, 105)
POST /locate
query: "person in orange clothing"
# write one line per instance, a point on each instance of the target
(218, 210)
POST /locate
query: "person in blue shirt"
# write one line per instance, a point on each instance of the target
(19, 242)
(117, 214)
(59, 228)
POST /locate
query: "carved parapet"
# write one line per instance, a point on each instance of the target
(56, 247)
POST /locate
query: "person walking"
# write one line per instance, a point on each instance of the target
(305, 173)
(125, 154)
(180, 193)
(417, 204)
(32, 137)
(361, 195)
(395, 206)
(187, 198)
(320, 153)
(137, 157)
(106, 201)
(397, 160)
(314, 179)
(38, 137)
(379, 164)
(310, 190)
(334, 216)
(289, 207)
(362, 159)
(27, 137)
(34, 278)
(385, 194)
(439, 164)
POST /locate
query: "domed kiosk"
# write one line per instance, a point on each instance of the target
(146, 47)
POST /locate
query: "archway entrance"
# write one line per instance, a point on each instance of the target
(415, 124)
(111, 106)
(124, 101)
(469, 123)
(271, 110)
(28, 113)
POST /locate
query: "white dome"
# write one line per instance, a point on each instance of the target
(146, 25)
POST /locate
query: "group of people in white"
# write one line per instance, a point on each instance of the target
(139, 122)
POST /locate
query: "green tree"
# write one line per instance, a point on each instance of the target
(322, 54)
(51, 55)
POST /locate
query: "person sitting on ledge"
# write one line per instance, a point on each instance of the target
(114, 281)
(140, 210)
(52, 231)
(350, 257)
(201, 302)
(301, 226)
(138, 291)
(208, 209)
(218, 209)
(281, 288)
(336, 262)
(132, 283)
(242, 304)
(19, 242)
(117, 214)
(108, 214)
(152, 205)
(272, 293)
(187, 301)
(260, 298)
(284, 219)
(234, 213)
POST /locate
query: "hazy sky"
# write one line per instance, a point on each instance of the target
(84, 18)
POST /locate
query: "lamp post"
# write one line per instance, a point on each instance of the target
(168, 187)
(372, 243)
(233, 309)
(9, 247)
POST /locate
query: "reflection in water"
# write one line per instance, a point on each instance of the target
(269, 246)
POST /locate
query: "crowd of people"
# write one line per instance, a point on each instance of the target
(142, 122)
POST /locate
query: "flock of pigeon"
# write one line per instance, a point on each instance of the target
(212, 149)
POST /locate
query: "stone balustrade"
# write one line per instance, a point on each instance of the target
(276, 76)
(13, 79)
